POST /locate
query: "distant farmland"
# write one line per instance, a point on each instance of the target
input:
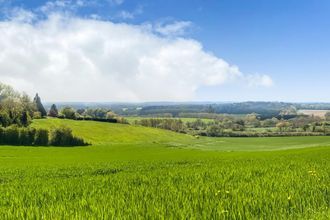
(320, 113)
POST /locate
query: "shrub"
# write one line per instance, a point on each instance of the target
(27, 136)
(2, 135)
(37, 115)
(63, 137)
(41, 137)
(23, 137)
(11, 136)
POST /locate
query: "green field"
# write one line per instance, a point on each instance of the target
(135, 172)
(131, 119)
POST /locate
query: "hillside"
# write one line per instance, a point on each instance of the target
(111, 135)
(117, 142)
(138, 173)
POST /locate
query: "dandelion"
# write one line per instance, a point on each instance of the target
(312, 173)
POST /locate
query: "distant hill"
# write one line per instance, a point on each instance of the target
(265, 109)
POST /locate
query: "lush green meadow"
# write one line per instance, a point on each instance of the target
(135, 172)
(132, 119)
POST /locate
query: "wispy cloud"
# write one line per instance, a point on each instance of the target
(130, 15)
(64, 5)
(116, 2)
(176, 28)
(258, 80)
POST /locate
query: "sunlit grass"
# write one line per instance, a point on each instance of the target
(134, 172)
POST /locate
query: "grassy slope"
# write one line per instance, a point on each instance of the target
(131, 119)
(116, 142)
(107, 134)
(138, 172)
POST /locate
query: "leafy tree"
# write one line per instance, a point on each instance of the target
(214, 130)
(110, 115)
(327, 116)
(283, 125)
(68, 113)
(27, 104)
(39, 105)
(15, 108)
(4, 118)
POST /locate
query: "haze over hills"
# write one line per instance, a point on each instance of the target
(267, 109)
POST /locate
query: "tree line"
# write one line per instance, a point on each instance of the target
(250, 125)
(88, 114)
(27, 136)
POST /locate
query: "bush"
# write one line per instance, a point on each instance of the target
(27, 136)
(2, 135)
(68, 113)
(23, 137)
(41, 137)
(63, 137)
(37, 115)
(11, 136)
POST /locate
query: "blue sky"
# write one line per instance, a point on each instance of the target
(287, 40)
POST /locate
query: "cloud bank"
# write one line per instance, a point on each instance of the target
(68, 58)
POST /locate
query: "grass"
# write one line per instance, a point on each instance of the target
(131, 119)
(135, 172)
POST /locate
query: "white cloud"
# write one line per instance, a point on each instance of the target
(67, 58)
(258, 80)
(20, 15)
(65, 6)
(177, 28)
(130, 15)
(116, 2)
(126, 15)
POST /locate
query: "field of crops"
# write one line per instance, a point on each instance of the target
(135, 172)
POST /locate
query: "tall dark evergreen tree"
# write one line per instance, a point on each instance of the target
(39, 105)
(25, 119)
(53, 112)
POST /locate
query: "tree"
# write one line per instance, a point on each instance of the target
(4, 118)
(39, 105)
(68, 112)
(110, 115)
(25, 119)
(214, 131)
(28, 106)
(53, 112)
(252, 120)
(327, 116)
(15, 108)
(283, 125)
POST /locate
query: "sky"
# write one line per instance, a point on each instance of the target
(187, 50)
